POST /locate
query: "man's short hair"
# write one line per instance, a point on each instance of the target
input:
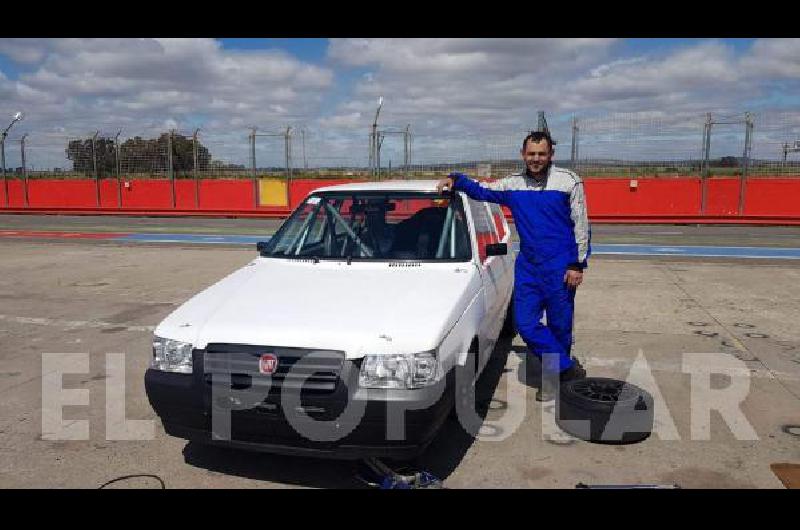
(538, 136)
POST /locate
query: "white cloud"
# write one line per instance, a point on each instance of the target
(474, 84)
(146, 86)
(778, 58)
(461, 93)
(151, 78)
(24, 51)
(350, 120)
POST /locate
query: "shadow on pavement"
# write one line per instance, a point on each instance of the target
(530, 369)
(289, 470)
(447, 450)
(442, 457)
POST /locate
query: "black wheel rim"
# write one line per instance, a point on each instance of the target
(605, 391)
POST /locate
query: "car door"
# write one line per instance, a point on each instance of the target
(490, 268)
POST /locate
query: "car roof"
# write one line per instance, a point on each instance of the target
(383, 185)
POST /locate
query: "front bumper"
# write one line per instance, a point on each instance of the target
(348, 423)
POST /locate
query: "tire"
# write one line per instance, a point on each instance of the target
(509, 329)
(616, 412)
(464, 381)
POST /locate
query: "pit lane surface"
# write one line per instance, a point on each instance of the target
(89, 296)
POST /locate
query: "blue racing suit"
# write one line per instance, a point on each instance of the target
(554, 234)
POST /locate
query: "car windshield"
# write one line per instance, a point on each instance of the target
(374, 226)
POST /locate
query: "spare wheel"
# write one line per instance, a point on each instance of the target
(603, 410)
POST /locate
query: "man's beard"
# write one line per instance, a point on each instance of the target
(541, 172)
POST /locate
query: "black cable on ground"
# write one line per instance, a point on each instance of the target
(126, 477)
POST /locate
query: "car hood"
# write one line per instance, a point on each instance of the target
(388, 307)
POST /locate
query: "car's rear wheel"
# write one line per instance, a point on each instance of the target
(603, 410)
(509, 329)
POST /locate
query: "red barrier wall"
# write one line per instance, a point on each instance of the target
(773, 196)
(722, 196)
(16, 197)
(109, 193)
(300, 188)
(653, 199)
(66, 193)
(184, 195)
(153, 194)
(679, 196)
(227, 194)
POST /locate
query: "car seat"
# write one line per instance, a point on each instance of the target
(418, 236)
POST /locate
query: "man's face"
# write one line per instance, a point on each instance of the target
(536, 155)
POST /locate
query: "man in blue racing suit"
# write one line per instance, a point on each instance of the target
(549, 209)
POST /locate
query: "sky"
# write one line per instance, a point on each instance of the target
(461, 97)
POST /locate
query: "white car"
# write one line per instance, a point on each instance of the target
(344, 336)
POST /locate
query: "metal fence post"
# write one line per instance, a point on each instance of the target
(574, 152)
(748, 138)
(707, 146)
(405, 151)
(253, 166)
(410, 146)
(195, 169)
(24, 170)
(542, 124)
(706, 162)
(118, 169)
(305, 160)
(378, 144)
(288, 142)
(3, 156)
(94, 167)
(170, 163)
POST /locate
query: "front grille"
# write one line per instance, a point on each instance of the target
(298, 368)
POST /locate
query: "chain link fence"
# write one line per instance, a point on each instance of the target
(657, 144)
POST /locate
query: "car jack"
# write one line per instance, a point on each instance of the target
(379, 475)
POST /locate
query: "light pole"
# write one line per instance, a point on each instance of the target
(17, 117)
(375, 146)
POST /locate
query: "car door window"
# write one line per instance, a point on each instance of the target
(499, 221)
(484, 227)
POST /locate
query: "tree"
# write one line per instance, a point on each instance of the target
(137, 155)
(183, 153)
(729, 161)
(83, 160)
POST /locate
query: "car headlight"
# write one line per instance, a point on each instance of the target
(171, 355)
(415, 370)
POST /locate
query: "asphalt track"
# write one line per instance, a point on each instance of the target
(608, 249)
(732, 242)
(90, 286)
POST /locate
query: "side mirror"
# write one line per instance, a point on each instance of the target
(496, 249)
(261, 246)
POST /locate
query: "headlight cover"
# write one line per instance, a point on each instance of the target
(171, 355)
(415, 370)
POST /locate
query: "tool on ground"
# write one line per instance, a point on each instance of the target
(379, 475)
(581, 485)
